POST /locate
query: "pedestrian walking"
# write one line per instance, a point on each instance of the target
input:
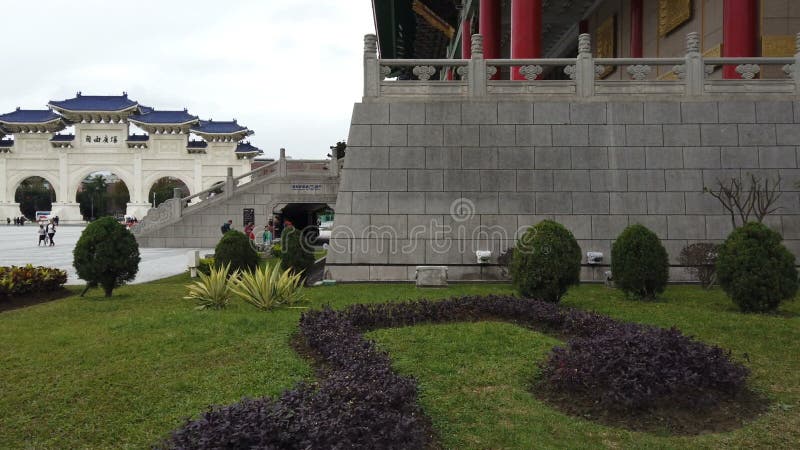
(51, 231)
(8, 221)
(42, 236)
(248, 231)
(266, 236)
(226, 226)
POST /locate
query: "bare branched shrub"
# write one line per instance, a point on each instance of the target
(754, 197)
(699, 261)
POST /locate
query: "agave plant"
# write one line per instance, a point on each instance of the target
(213, 291)
(268, 287)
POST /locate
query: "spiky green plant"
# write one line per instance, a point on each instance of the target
(268, 287)
(213, 291)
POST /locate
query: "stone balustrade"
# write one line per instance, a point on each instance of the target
(687, 76)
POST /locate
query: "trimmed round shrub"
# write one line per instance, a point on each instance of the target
(236, 250)
(639, 263)
(106, 255)
(546, 262)
(631, 367)
(205, 265)
(297, 252)
(755, 269)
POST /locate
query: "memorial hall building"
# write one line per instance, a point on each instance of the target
(480, 118)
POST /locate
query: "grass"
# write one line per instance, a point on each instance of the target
(475, 378)
(122, 372)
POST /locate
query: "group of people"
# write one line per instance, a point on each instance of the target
(18, 221)
(270, 232)
(46, 233)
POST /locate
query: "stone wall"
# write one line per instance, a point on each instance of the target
(431, 183)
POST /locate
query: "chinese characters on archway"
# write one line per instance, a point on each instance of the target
(98, 139)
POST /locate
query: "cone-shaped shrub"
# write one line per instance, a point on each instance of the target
(755, 269)
(546, 262)
(106, 255)
(296, 251)
(639, 263)
(235, 251)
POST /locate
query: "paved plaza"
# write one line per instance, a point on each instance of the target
(18, 247)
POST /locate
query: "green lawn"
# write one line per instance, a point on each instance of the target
(121, 372)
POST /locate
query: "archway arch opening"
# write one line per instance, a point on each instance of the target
(34, 194)
(162, 190)
(314, 219)
(102, 193)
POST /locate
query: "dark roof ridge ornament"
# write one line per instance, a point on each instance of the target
(78, 94)
(18, 108)
(125, 94)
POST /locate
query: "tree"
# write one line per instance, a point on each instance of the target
(296, 251)
(546, 262)
(235, 251)
(639, 263)
(106, 255)
(163, 190)
(92, 197)
(118, 197)
(755, 269)
(34, 194)
(338, 150)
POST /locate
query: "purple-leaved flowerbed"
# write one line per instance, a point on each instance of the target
(360, 402)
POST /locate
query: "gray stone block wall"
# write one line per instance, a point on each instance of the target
(431, 183)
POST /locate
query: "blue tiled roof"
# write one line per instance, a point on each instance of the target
(145, 109)
(63, 138)
(211, 127)
(138, 138)
(30, 116)
(164, 117)
(110, 103)
(197, 144)
(246, 147)
(6, 143)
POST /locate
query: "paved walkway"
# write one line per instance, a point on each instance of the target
(18, 247)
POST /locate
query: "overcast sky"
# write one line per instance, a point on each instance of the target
(290, 70)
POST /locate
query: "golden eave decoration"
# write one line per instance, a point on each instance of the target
(433, 20)
(672, 14)
(607, 43)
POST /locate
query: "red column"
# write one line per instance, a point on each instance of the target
(466, 39)
(739, 32)
(637, 18)
(489, 27)
(526, 32)
(583, 26)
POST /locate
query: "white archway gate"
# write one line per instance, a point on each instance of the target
(102, 143)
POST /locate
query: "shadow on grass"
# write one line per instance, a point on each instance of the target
(11, 303)
(664, 420)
